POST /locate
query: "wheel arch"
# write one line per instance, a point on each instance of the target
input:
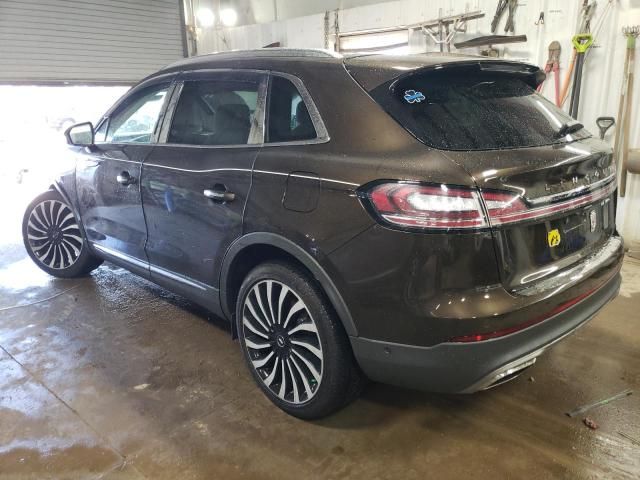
(58, 187)
(241, 257)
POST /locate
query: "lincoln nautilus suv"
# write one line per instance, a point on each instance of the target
(428, 221)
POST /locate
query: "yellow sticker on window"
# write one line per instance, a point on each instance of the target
(553, 238)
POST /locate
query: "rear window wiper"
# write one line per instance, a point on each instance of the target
(567, 128)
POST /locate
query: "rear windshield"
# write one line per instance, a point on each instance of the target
(474, 111)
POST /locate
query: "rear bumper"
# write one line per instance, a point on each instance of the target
(469, 367)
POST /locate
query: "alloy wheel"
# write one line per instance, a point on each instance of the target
(281, 338)
(54, 235)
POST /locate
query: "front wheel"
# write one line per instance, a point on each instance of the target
(53, 238)
(293, 342)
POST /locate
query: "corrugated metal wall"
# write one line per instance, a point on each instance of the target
(87, 41)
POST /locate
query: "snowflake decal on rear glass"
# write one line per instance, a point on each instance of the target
(412, 96)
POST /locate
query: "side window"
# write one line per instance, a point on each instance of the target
(288, 117)
(136, 121)
(214, 113)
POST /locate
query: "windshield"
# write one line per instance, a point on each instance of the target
(455, 110)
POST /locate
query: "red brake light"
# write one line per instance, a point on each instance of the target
(422, 206)
(443, 207)
(516, 211)
(501, 205)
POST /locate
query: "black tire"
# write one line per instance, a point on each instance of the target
(312, 390)
(54, 239)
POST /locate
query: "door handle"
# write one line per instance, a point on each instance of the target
(125, 178)
(219, 194)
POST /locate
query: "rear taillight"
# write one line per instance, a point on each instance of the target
(412, 205)
(423, 206)
(517, 211)
(501, 205)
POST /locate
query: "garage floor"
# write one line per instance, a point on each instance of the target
(112, 377)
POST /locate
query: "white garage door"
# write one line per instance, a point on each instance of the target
(87, 41)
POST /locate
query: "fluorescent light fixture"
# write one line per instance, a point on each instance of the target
(228, 17)
(205, 17)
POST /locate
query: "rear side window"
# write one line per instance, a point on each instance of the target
(214, 113)
(288, 116)
(473, 110)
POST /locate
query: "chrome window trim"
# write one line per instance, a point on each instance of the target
(311, 141)
(193, 145)
(316, 119)
(178, 82)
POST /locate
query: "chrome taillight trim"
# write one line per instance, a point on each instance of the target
(431, 223)
(572, 193)
(554, 208)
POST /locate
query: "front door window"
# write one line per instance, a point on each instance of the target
(137, 120)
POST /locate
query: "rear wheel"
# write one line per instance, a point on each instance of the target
(293, 343)
(53, 238)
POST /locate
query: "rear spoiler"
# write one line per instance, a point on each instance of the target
(530, 74)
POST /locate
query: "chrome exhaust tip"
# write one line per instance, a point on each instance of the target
(510, 373)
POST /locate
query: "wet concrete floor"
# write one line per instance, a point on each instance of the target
(112, 377)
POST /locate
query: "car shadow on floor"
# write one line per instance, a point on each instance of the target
(176, 300)
(188, 307)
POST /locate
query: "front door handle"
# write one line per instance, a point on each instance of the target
(125, 178)
(219, 194)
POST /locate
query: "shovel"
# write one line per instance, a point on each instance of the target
(604, 124)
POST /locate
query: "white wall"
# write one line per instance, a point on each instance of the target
(272, 10)
(602, 76)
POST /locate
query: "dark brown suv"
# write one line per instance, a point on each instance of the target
(428, 221)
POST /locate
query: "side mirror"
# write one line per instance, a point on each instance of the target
(81, 134)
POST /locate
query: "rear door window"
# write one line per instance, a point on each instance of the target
(214, 113)
(288, 116)
(473, 111)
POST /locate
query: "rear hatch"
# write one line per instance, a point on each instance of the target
(548, 187)
(569, 206)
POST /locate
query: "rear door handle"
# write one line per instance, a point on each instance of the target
(125, 178)
(219, 194)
